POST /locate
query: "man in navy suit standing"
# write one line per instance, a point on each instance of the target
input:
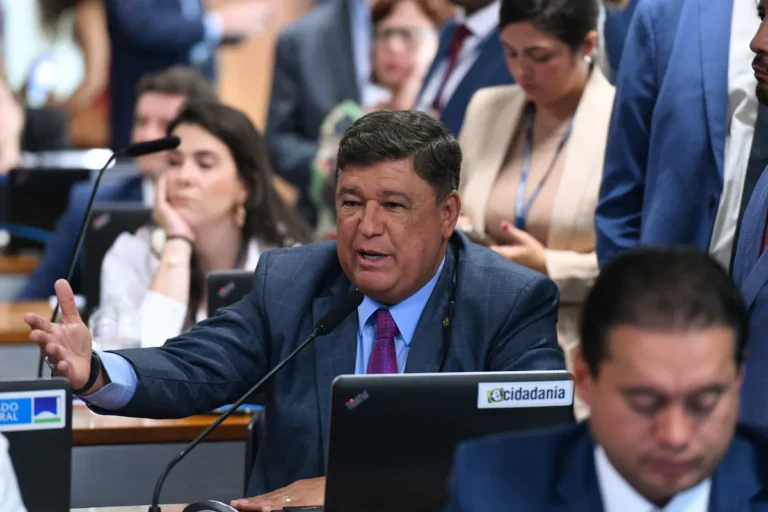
(470, 57)
(683, 134)
(664, 337)
(159, 98)
(148, 36)
(750, 268)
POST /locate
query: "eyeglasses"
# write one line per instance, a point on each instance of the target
(410, 36)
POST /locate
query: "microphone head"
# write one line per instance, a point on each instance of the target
(151, 146)
(342, 310)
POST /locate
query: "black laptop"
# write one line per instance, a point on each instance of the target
(32, 203)
(225, 287)
(108, 221)
(393, 437)
(36, 417)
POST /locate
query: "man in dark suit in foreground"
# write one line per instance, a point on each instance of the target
(663, 338)
(397, 205)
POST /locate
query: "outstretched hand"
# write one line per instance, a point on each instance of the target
(68, 344)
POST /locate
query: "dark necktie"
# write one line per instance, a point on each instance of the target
(459, 36)
(758, 160)
(383, 357)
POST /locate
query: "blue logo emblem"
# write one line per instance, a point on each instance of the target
(46, 409)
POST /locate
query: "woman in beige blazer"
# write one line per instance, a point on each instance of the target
(533, 152)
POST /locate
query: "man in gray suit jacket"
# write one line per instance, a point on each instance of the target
(320, 61)
(397, 206)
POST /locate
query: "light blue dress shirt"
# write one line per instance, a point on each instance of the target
(406, 314)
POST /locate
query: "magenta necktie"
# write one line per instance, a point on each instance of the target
(383, 357)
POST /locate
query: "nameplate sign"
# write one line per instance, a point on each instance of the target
(503, 395)
(32, 410)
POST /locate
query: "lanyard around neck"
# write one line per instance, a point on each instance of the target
(522, 207)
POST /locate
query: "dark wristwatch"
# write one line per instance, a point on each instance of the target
(95, 369)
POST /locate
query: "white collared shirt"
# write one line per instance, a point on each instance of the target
(481, 24)
(619, 496)
(127, 272)
(742, 115)
(10, 497)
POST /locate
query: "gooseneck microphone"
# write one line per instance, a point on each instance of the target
(327, 323)
(134, 150)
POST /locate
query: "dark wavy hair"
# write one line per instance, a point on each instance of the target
(267, 218)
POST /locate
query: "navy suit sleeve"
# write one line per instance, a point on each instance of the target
(528, 338)
(458, 480)
(210, 366)
(619, 211)
(291, 148)
(144, 24)
(59, 249)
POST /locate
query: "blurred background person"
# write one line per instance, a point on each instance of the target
(56, 54)
(90, 32)
(159, 97)
(215, 209)
(11, 127)
(533, 152)
(320, 60)
(150, 35)
(469, 57)
(405, 39)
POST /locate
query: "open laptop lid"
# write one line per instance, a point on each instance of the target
(392, 437)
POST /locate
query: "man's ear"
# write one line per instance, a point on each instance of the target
(582, 377)
(450, 209)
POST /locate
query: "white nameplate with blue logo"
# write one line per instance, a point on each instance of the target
(503, 395)
(32, 410)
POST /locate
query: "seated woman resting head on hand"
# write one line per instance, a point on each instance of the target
(215, 209)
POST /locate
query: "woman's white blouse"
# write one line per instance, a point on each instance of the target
(127, 273)
(10, 497)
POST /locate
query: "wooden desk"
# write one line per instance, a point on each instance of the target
(131, 453)
(13, 329)
(90, 429)
(24, 265)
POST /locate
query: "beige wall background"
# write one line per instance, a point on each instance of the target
(245, 71)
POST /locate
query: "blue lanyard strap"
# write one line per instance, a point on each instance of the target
(522, 207)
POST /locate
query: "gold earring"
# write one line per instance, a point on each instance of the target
(240, 215)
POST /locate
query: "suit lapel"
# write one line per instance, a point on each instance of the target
(490, 55)
(581, 175)
(715, 42)
(343, 63)
(751, 267)
(442, 52)
(334, 354)
(578, 488)
(426, 351)
(499, 125)
(735, 482)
